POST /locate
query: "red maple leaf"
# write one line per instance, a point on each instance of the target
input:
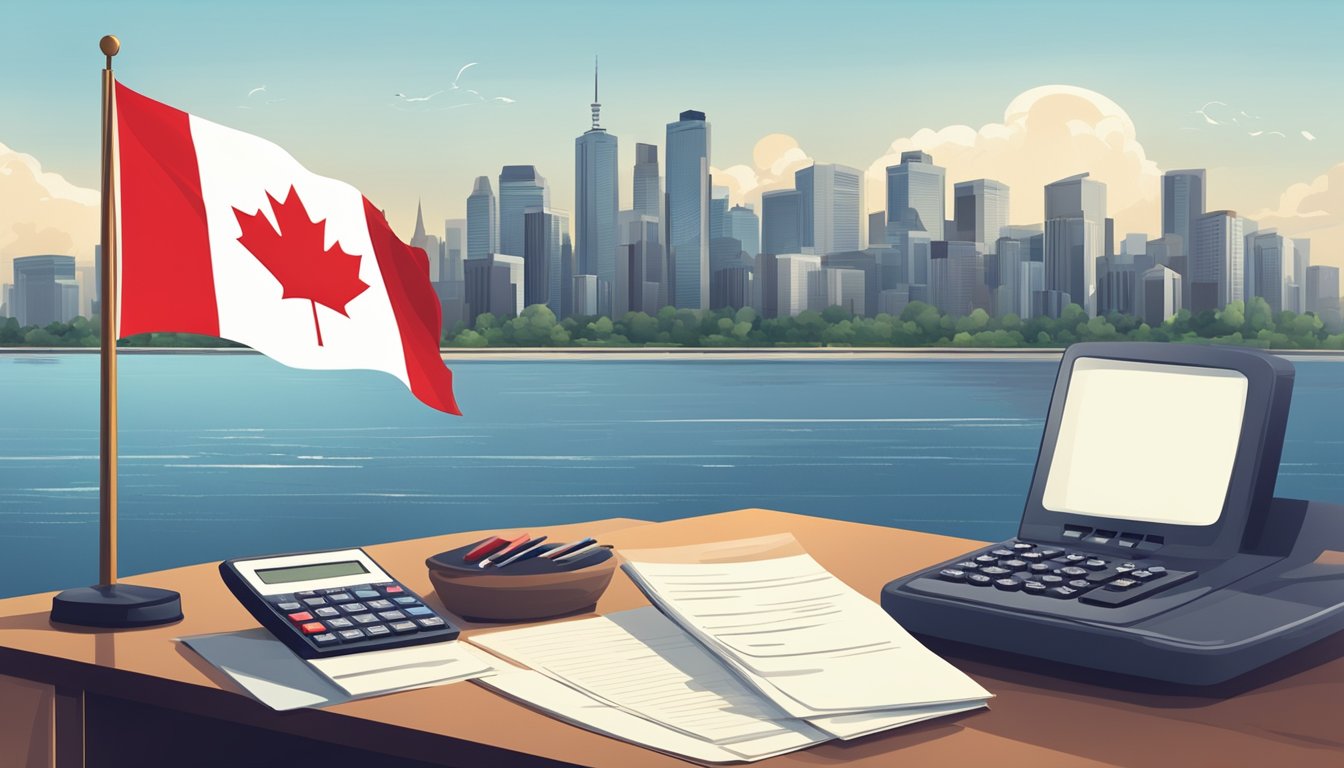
(296, 257)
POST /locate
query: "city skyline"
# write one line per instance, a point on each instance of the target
(769, 121)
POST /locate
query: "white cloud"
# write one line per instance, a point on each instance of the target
(774, 160)
(41, 212)
(1314, 210)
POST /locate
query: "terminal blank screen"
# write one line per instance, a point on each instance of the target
(1146, 442)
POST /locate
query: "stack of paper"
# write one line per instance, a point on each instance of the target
(753, 658)
(801, 637)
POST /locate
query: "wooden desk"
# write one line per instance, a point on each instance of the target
(140, 684)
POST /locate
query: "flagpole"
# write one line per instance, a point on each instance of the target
(107, 421)
(109, 604)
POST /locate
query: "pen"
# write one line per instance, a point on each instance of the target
(492, 544)
(575, 554)
(531, 549)
(565, 549)
(506, 551)
(582, 555)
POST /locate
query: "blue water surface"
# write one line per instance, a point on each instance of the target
(228, 455)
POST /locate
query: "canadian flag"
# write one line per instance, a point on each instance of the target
(224, 234)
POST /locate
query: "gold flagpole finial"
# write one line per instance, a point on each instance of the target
(109, 45)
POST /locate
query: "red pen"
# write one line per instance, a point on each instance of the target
(513, 546)
(485, 548)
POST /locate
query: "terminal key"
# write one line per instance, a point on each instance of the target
(1117, 598)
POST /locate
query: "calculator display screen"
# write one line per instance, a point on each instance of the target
(310, 572)
(1146, 441)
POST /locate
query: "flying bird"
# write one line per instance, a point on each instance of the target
(255, 91)
(464, 68)
(410, 99)
(507, 100)
(1202, 113)
(1308, 136)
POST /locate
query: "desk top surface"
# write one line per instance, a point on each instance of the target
(1287, 711)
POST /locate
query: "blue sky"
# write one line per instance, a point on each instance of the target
(845, 79)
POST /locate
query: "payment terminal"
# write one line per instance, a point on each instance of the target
(331, 603)
(1151, 543)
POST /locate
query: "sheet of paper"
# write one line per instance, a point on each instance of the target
(275, 676)
(534, 689)
(805, 639)
(644, 664)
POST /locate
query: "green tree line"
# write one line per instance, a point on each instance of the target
(83, 332)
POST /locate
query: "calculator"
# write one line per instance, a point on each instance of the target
(332, 603)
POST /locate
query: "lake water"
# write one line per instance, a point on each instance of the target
(231, 455)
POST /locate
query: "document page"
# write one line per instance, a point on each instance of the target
(642, 663)
(805, 639)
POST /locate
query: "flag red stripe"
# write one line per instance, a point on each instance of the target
(405, 273)
(167, 283)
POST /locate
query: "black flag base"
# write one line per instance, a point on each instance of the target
(116, 606)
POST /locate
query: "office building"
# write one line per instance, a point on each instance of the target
(843, 288)
(1134, 244)
(979, 210)
(6, 300)
(1323, 297)
(596, 203)
(745, 227)
(877, 228)
(45, 290)
(1160, 295)
(1218, 262)
(1165, 250)
(520, 188)
(1075, 231)
(956, 278)
(687, 211)
(543, 230)
(495, 284)
(585, 295)
(1009, 256)
(648, 182)
(454, 249)
(1032, 285)
(830, 208)
(643, 270)
(916, 195)
(718, 212)
(1117, 281)
(1271, 271)
(893, 301)
(796, 278)
(567, 271)
(730, 287)
(482, 220)
(726, 252)
(869, 265)
(781, 222)
(765, 288)
(1182, 204)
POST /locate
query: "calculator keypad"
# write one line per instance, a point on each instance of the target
(351, 615)
(1094, 579)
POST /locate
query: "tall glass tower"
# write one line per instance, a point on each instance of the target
(482, 220)
(648, 183)
(831, 212)
(520, 188)
(687, 222)
(595, 204)
(1182, 204)
(917, 194)
(1075, 235)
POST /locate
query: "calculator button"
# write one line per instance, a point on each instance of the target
(350, 634)
(380, 605)
(1050, 553)
(326, 638)
(314, 602)
(1051, 579)
(1002, 552)
(405, 600)
(327, 612)
(340, 624)
(1142, 575)
(365, 594)
(978, 579)
(952, 574)
(364, 618)
(391, 615)
(1031, 557)
(301, 618)
(395, 589)
(1022, 545)
(1073, 570)
(277, 599)
(1074, 557)
(1014, 564)
(340, 597)
(289, 606)
(986, 559)
(1121, 584)
(1034, 587)
(354, 608)
(1080, 584)
(969, 565)
(995, 570)
(419, 610)
(375, 630)
(309, 593)
(403, 626)
(1157, 569)
(1008, 585)
(1062, 593)
(313, 628)
(1126, 568)
(430, 623)
(1039, 567)
(1095, 564)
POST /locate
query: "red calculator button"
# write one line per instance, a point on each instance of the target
(394, 590)
(313, 628)
(299, 618)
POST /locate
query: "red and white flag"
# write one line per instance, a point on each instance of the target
(224, 234)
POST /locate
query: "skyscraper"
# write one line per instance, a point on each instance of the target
(718, 211)
(45, 290)
(744, 226)
(687, 211)
(956, 276)
(781, 222)
(1271, 271)
(1159, 295)
(427, 243)
(1323, 295)
(797, 278)
(644, 266)
(1182, 204)
(1217, 267)
(596, 203)
(1075, 232)
(494, 284)
(648, 182)
(541, 257)
(520, 188)
(980, 210)
(482, 220)
(830, 207)
(916, 195)
(454, 249)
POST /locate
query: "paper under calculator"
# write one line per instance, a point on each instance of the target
(332, 603)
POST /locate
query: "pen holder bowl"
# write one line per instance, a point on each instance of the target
(526, 591)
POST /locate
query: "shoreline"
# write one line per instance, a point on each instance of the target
(675, 353)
